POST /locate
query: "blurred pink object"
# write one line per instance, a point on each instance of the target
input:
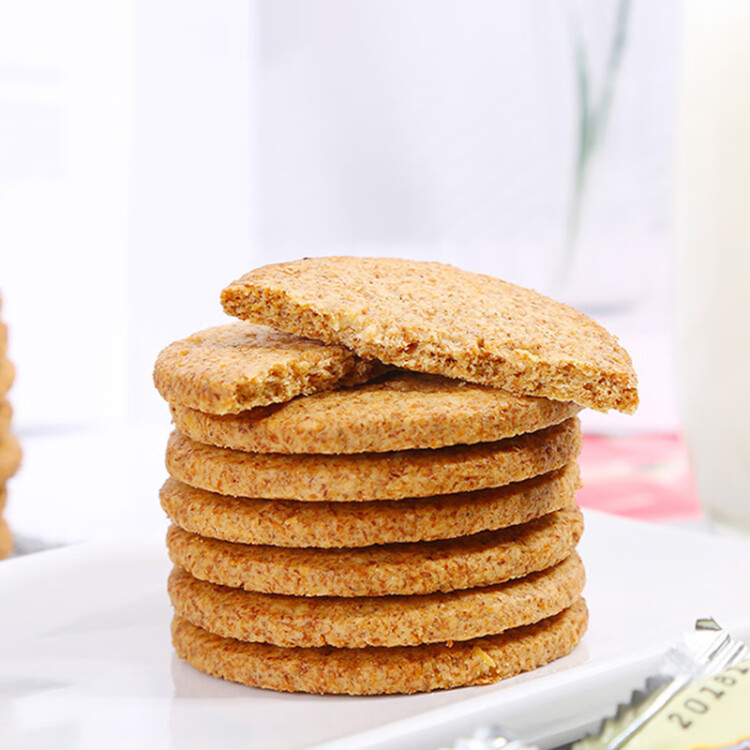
(647, 477)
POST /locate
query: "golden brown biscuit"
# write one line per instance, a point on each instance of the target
(6, 540)
(432, 317)
(399, 411)
(10, 457)
(3, 496)
(482, 559)
(289, 523)
(373, 670)
(310, 621)
(231, 368)
(373, 476)
(7, 374)
(6, 414)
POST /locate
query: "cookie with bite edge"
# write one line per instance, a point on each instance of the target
(235, 367)
(433, 317)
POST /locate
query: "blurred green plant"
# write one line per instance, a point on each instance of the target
(592, 122)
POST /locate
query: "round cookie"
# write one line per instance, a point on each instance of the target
(289, 523)
(373, 476)
(6, 540)
(374, 670)
(378, 620)
(7, 374)
(3, 495)
(234, 367)
(10, 457)
(399, 411)
(432, 317)
(482, 559)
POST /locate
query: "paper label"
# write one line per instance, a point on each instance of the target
(710, 714)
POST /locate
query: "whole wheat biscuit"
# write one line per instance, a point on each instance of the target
(10, 457)
(432, 317)
(231, 368)
(379, 620)
(399, 411)
(289, 523)
(372, 476)
(6, 540)
(482, 559)
(6, 414)
(375, 670)
(7, 373)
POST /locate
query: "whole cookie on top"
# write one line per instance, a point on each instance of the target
(432, 317)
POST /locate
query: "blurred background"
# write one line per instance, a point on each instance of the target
(151, 152)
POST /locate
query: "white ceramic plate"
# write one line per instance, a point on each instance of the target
(86, 663)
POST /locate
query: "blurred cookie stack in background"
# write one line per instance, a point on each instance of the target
(10, 450)
(341, 525)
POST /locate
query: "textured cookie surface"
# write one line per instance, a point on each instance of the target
(372, 476)
(6, 540)
(289, 523)
(234, 367)
(7, 373)
(6, 413)
(374, 670)
(482, 559)
(396, 412)
(378, 620)
(432, 317)
(10, 457)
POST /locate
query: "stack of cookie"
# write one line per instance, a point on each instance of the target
(10, 451)
(381, 498)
